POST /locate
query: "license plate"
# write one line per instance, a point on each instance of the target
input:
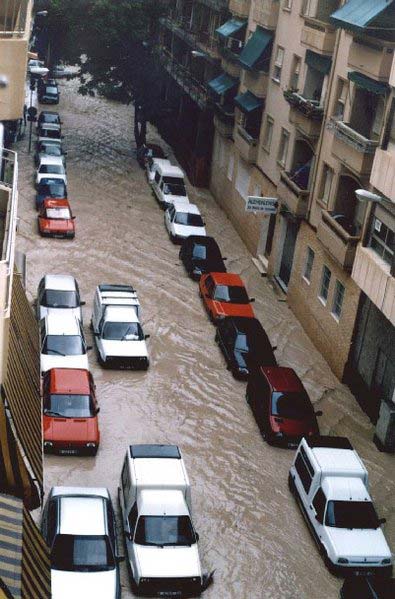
(68, 451)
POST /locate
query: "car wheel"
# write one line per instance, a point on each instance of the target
(100, 360)
(291, 484)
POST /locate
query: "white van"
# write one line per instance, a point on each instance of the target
(151, 165)
(168, 184)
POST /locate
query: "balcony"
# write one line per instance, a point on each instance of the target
(372, 274)
(337, 241)
(352, 148)
(256, 82)
(246, 145)
(294, 197)
(318, 35)
(266, 13)
(189, 32)
(383, 173)
(181, 74)
(217, 5)
(240, 8)
(372, 61)
(305, 114)
(224, 126)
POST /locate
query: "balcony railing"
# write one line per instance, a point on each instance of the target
(191, 34)
(352, 148)
(318, 35)
(8, 219)
(13, 18)
(310, 108)
(294, 196)
(195, 89)
(347, 134)
(247, 145)
(340, 244)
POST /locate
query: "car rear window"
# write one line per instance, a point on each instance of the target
(82, 553)
(293, 404)
(190, 220)
(231, 293)
(51, 169)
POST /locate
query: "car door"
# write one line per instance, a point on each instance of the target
(40, 294)
(209, 293)
(132, 523)
(169, 218)
(262, 402)
(49, 524)
(317, 515)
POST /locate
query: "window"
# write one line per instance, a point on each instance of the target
(305, 7)
(295, 71)
(283, 149)
(278, 64)
(326, 184)
(319, 503)
(341, 97)
(157, 177)
(267, 138)
(338, 298)
(303, 473)
(325, 282)
(382, 236)
(287, 4)
(308, 267)
(52, 521)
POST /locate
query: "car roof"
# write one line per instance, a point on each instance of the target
(161, 162)
(282, 379)
(51, 160)
(336, 460)
(168, 169)
(69, 381)
(345, 488)
(185, 206)
(56, 203)
(121, 314)
(227, 278)
(60, 282)
(82, 515)
(68, 324)
(159, 502)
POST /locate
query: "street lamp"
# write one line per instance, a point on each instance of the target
(367, 196)
(198, 54)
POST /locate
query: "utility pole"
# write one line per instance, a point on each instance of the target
(31, 111)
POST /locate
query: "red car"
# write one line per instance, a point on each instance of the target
(224, 295)
(281, 406)
(70, 412)
(55, 219)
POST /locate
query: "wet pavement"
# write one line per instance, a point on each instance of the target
(251, 530)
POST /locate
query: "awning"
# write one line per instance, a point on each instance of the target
(220, 85)
(318, 62)
(32, 55)
(375, 87)
(257, 50)
(231, 27)
(358, 15)
(24, 556)
(247, 102)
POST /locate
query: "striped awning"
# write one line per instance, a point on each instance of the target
(24, 557)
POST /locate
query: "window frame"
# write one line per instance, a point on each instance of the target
(283, 147)
(321, 498)
(325, 194)
(268, 133)
(295, 71)
(342, 90)
(338, 300)
(308, 267)
(324, 288)
(278, 64)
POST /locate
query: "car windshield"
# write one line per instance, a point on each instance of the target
(53, 298)
(82, 553)
(53, 189)
(50, 150)
(191, 220)
(233, 294)
(174, 186)
(293, 404)
(123, 331)
(68, 406)
(58, 213)
(48, 118)
(53, 169)
(351, 514)
(63, 345)
(164, 530)
(241, 343)
(53, 133)
(199, 252)
(51, 90)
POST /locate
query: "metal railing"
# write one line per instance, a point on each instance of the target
(349, 135)
(13, 18)
(196, 89)
(8, 220)
(190, 32)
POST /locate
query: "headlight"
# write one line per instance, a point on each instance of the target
(342, 560)
(91, 444)
(143, 580)
(387, 560)
(278, 435)
(221, 316)
(243, 370)
(48, 444)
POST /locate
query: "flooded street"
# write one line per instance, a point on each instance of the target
(251, 530)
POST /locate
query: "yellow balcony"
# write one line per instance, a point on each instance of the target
(318, 36)
(352, 148)
(294, 197)
(371, 61)
(336, 240)
(246, 145)
(256, 83)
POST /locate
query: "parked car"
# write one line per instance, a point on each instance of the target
(37, 68)
(48, 148)
(50, 188)
(60, 71)
(49, 117)
(201, 255)
(281, 405)
(55, 219)
(330, 484)
(70, 407)
(151, 167)
(168, 184)
(49, 131)
(147, 151)
(48, 94)
(78, 525)
(183, 219)
(58, 292)
(161, 542)
(62, 342)
(53, 167)
(368, 587)
(244, 344)
(224, 294)
(119, 337)
(45, 81)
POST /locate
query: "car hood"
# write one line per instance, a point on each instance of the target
(359, 543)
(81, 585)
(186, 231)
(60, 312)
(125, 348)
(57, 428)
(169, 199)
(168, 562)
(229, 309)
(48, 361)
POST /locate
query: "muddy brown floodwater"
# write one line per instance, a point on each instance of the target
(250, 529)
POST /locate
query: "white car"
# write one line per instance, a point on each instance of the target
(183, 219)
(53, 167)
(37, 68)
(168, 183)
(78, 525)
(151, 165)
(62, 342)
(58, 292)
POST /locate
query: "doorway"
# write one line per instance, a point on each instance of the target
(291, 232)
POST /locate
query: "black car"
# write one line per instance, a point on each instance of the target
(149, 151)
(200, 255)
(368, 587)
(244, 344)
(47, 116)
(48, 94)
(45, 148)
(50, 188)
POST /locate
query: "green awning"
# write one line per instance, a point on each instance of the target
(257, 50)
(375, 87)
(220, 85)
(318, 62)
(359, 15)
(247, 102)
(231, 27)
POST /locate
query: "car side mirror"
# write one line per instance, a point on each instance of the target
(252, 299)
(97, 410)
(64, 153)
(224, 258)
(147, 336)
(89, 347)
(82, 303)
(318, 413)
(73, 217)
(382, 520)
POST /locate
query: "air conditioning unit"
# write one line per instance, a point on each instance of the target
(385, 427)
